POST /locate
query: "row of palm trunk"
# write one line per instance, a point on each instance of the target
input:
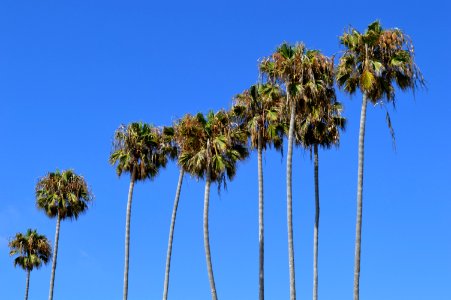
(296, 100)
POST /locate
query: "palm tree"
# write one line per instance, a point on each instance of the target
(62, 195)
(300, 71)
(136, 150)
(373, 62)
(256, 109)
(320, 127)
(31, 250)
(210, 147)
(173, 150)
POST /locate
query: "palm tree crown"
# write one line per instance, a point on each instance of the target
(376, 59)
(138, 146)
(63, 194)
(321, 126)
(305, 73)
(257, 110)
(32, 250)
(212, 142)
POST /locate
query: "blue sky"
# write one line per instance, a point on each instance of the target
(72, 71)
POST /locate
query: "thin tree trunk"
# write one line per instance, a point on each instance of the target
(289, 201)
(171, 235)
(358, 226)
(27, 285)
(206, 234)
(316, 228)
(55, 254)
(260, 221)
(127, 232)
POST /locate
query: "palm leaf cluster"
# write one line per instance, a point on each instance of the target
(211, 143)
(257, 110)
(32, 250)
(64, 194)
(137, 150)
(376, 59)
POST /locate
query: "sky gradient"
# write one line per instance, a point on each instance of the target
(72, 71)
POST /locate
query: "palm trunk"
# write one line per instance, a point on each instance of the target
(316, 228)
(358, 226)
(55, 254)
(171, 235)
(27, 285)
(289, 201)
(206, 234)
(260, 221)
(127, 232)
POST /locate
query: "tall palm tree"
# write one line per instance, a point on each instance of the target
(320, 128)
(299, 69)
(374, 62)
(62, 195)
(31, 250)
(173, 150)
(210, 147)
(256, 109)
(136, 150)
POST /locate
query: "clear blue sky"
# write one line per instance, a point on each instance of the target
(72, 71)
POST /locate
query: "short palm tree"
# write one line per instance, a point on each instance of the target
(299, 69)
(320, 127)
(256, 109)
(172, 151)
(137, 150)
(62, 195)
(31, 251)
(374, 62)
(210, 147)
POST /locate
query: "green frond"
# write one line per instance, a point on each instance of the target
(31, 250)
(212, 142)
(380, 59)
(63, 193)
(141, 148)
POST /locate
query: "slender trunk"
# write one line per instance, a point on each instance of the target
(358, 226)
(127, 231)
(260, 221)
(206, 234)
(289, 200)
(27, 285)
(55, 254)
(171, 235)
(316, 228)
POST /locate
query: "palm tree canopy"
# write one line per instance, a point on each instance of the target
(213, 142)
(376, 59)
(169, 143)
(321, 126)
(302, 71)
(309, 77)
(140, 147)
(63, 193)
(256, 109)
(32, 250)
(321, 120)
